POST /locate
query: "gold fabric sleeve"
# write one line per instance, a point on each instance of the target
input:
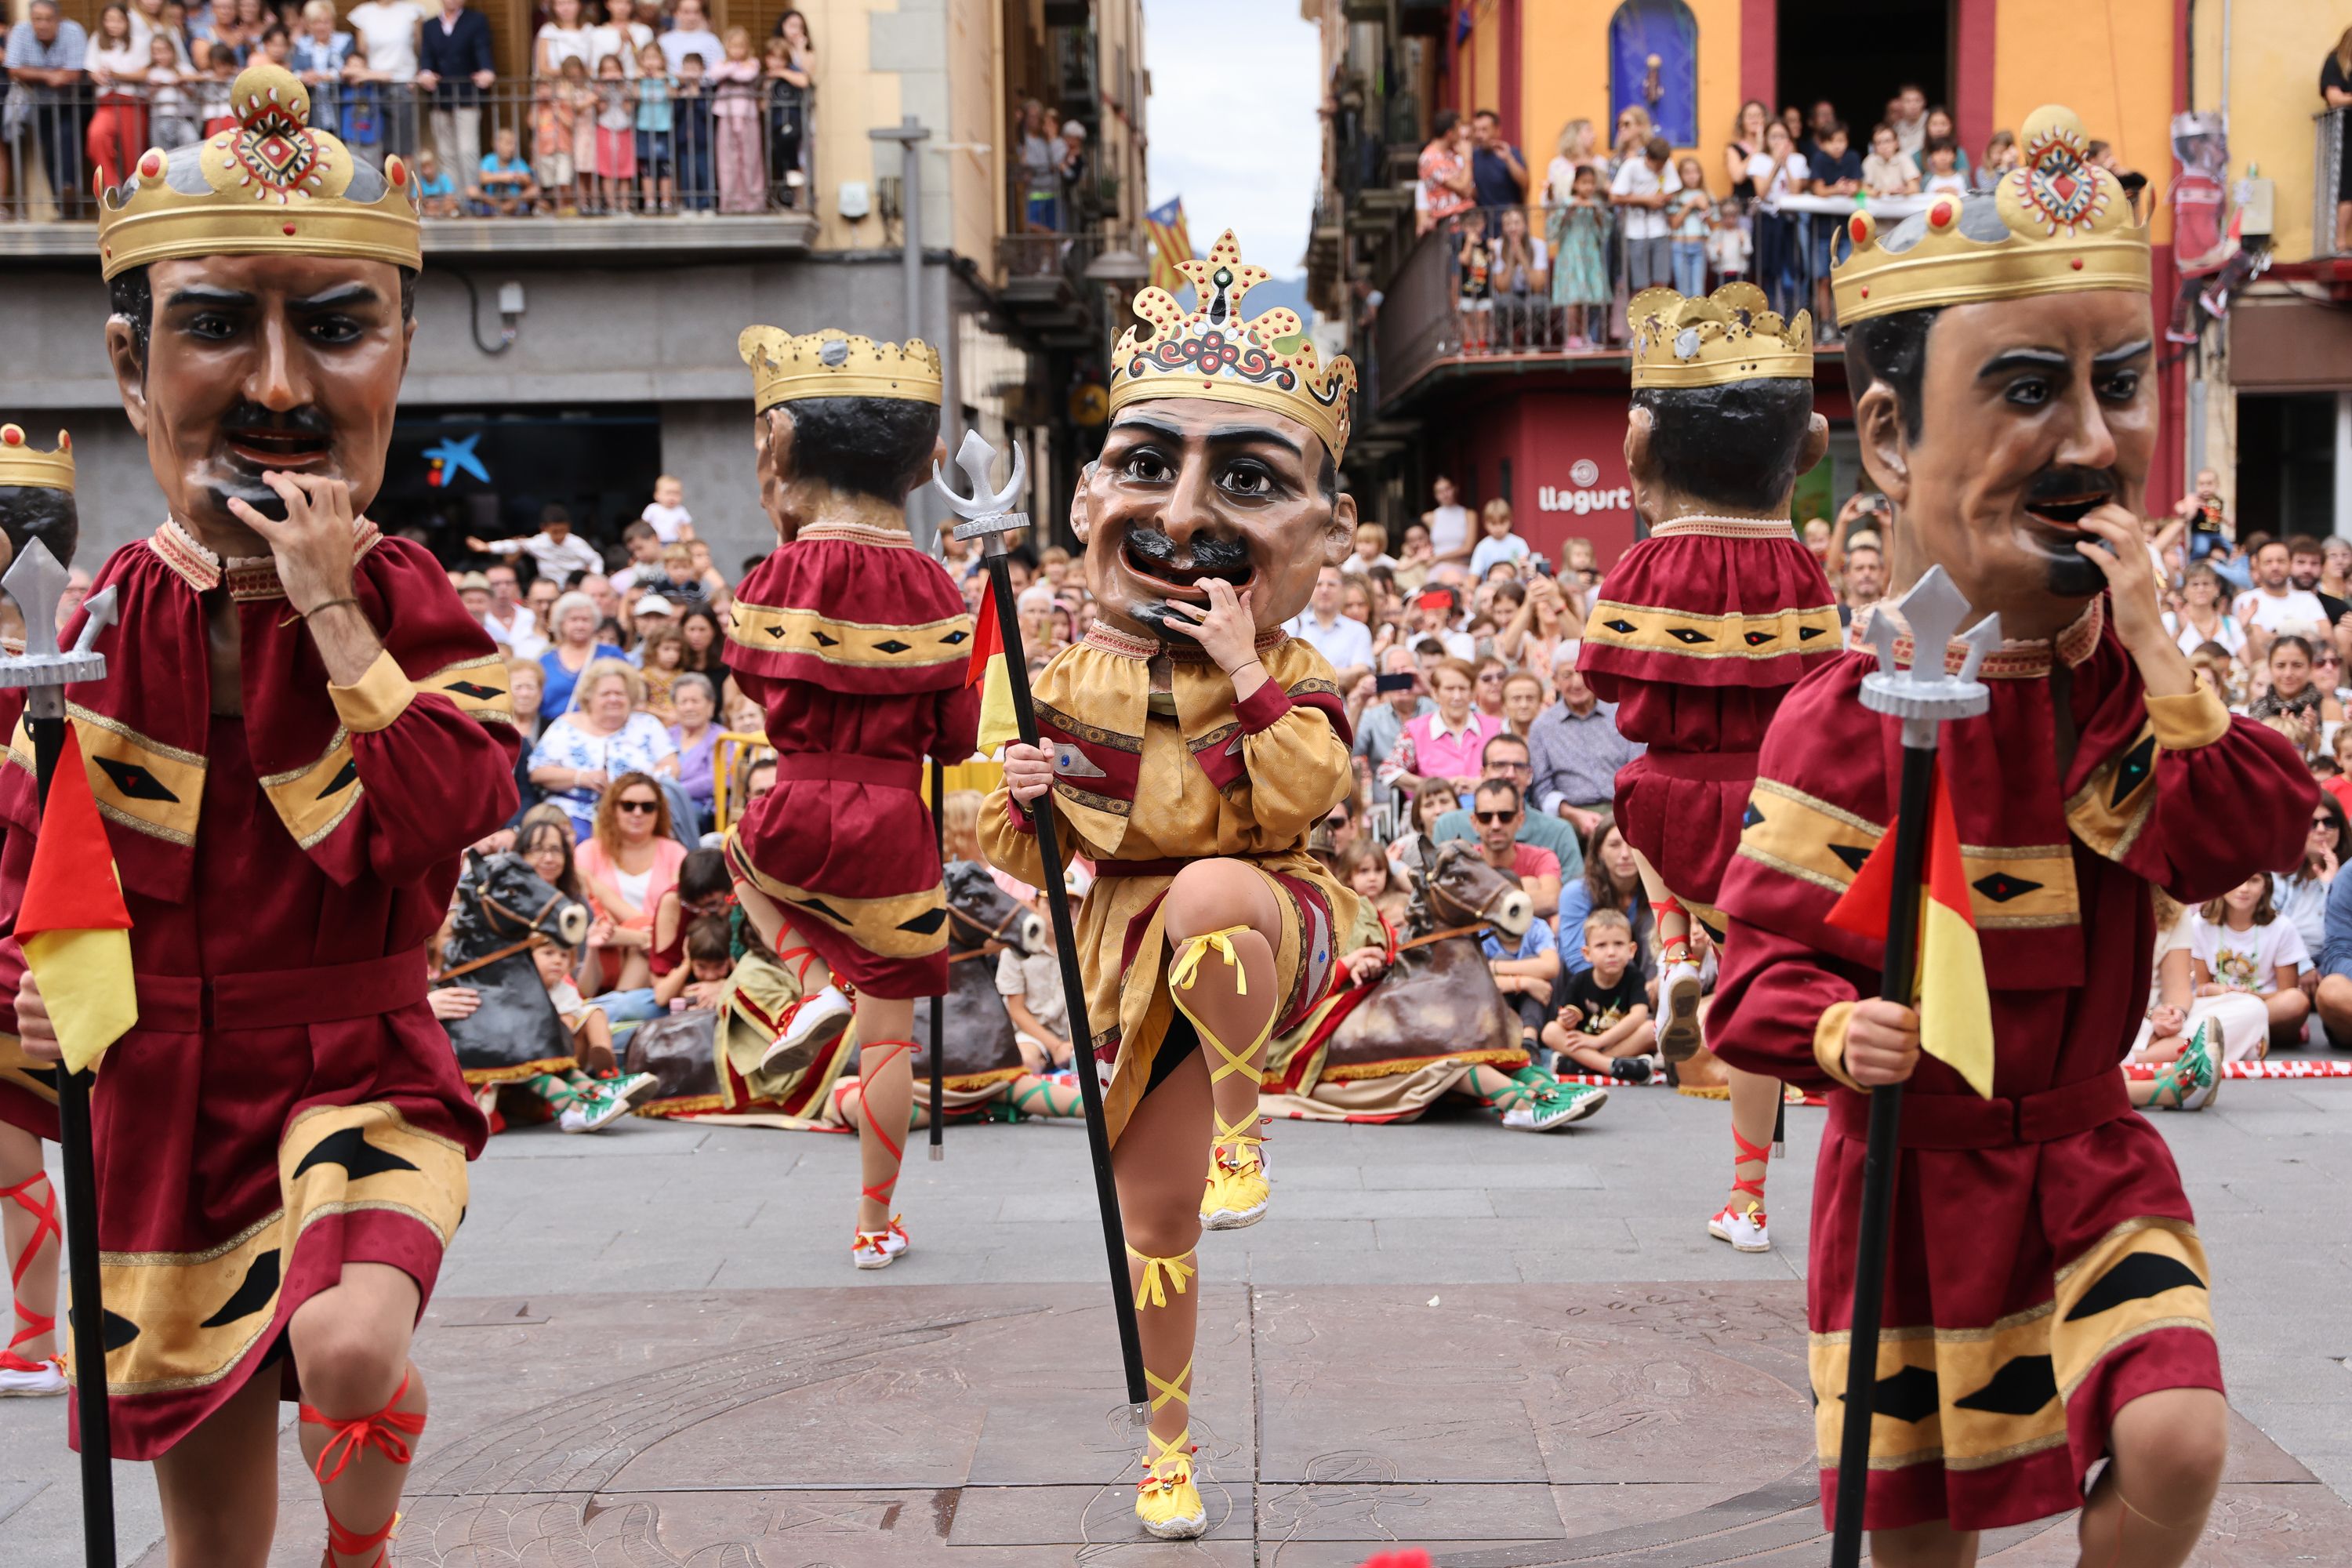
(2185, 722)
(375, 699)
(1829, 1043)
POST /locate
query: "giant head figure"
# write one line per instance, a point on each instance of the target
(1222, 459)
(844, 426)
(37, 497)
(1722, 419)
(2003, 363)
(263, 284)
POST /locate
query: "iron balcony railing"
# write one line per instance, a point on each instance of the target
(2328, 191)
(649, 147)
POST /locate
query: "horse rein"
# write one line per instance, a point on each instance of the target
(488, 905)
(992, 938)
(536, 938)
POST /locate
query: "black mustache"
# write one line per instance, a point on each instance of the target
(1209, 553)
(2070, 483)
(307, 420)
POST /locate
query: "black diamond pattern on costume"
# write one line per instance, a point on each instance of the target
(345, 776)
(777, 632)
(1755, 814)
(927, 922)
(2024, 1384)
(1853, 854)
(893, 646)
(954, 638)
(2000, 886)
(1757, 639)
(1905, 1395)
(2133, 1278)
(117, 1331)
(1807, 634)
(1686, 636)
(2133, 769)
(350, 1149)
(1622, 627)
(478, 693)
(824, 641)
(253, 1294)
(132, 781)
(818, 905)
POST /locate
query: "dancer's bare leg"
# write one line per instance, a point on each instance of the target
(886, 1088)
(1755, 1112)
(363, 1403)
(218, 1484)
(1160, 1164)
(27, 1194)
(2148, 1509)
(1223, 919)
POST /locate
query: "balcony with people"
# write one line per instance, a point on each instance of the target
(607, 133)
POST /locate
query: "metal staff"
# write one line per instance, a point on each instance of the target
(1925, 698)
(989, 520)
(939, 1002)
(42, 672)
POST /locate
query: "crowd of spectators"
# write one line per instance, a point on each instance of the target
(630, 106)
(1548, 262)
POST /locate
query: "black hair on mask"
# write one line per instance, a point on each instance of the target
(877, 446)
(1733, 446)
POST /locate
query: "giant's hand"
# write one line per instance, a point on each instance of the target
(314, 546)
(1028, 771)
(1882, 1042)
(1223, 627)
(34, 1031)
(2120, 553)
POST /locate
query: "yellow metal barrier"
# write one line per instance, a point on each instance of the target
(736, 752)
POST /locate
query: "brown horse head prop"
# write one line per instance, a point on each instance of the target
(1454, 886)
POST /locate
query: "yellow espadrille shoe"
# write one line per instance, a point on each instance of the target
(1237, 1191)
(1167, 1503)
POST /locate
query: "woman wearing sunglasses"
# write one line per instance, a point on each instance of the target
(629, 860)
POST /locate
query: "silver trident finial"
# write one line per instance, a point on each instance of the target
(987, 513)
(37, 583)
(1927, 694)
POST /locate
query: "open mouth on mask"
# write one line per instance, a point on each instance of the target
(1186, 581)
(2066, 512)
(270, 449)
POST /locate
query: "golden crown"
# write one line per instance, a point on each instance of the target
(20, 465)
(1212, 353)
(272, 181)
(831, 363)
(2064, 226)
(1732, 334)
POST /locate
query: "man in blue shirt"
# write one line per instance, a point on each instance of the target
(1526, 975)
(1506, 757)
(45, 78)
(2334, 999)
(1498, 173)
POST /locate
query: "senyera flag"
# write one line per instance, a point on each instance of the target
(986, 670)
(72, 925)
(1172, 241)
(1955, 1005)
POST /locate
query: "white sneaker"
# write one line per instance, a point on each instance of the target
(1551, 1112)
(637, 1085)
(1678, 999)
(22, 1379)
(878, 1249)
(814, 1025)
(592, 1111)
(1744, 1231)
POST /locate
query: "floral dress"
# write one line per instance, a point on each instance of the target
(1579, 237)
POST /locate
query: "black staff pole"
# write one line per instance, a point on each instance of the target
(1924, 697)
(939, 1002)
(989, 520)
(37, 583)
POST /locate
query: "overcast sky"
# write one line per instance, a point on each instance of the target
(1233, 122)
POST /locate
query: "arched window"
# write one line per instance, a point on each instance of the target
(1664, 30)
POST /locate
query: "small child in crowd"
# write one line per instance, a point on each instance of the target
(173, 90)
(1605, 1026)
(1499, 542)
(436, 193)
(506, 188)
(740, 147)
(691, 125)
(1477, 295)
(1885, 171)
(2000, 155)
(1580, 274)
(2240, 944)
(1371, 549)
(1031, 984)
(1942, 176)
(591, 1096)
(555, 114)
(616, 136)
(1687, 214)
(658, 191)
(709, 960)
(1727, 243)
(213, 96)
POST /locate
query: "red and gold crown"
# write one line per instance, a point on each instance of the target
(1732, 334)
(2066, 226)
(272, 181)
(22, 466)
(1210, 352)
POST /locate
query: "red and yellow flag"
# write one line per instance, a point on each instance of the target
(986, 671)
(1955, 1005)
(73, 926)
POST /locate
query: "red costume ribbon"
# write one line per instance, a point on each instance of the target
(387, 1430)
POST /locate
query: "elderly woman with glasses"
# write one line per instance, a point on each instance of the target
(606, 735)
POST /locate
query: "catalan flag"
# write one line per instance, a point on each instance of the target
(72, 925)
(986, 670)
(1171, 242)
(1955, 1005)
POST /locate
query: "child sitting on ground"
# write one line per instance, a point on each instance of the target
(710, 960)
(590, 1095)
(2240, 944)
(1031, 984)
(1605, 1026)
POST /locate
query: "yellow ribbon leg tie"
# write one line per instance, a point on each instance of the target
(1167, 1388)
(1170, 1465)
(1180, 977)
(1159, 1273)
(1237, 1135)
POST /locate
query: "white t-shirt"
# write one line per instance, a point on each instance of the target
(1449, 527)
(667, 522)
(606, 41)
(1036, 979)
(2229, 634)
(677, 43)
(1774, 181)
(521, 639)
(1636, 178)
(1510, 547)
(579, 44)
(2249, 960)
(1952, 184)
(387, 30)
(2179, 937)
(2298, 610)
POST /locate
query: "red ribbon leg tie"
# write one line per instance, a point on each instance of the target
(388, 1431)
(44, 1228)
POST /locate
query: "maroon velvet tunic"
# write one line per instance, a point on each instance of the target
(2046, 1266)
(855, 644)
(1706, 626)
(287, 1103)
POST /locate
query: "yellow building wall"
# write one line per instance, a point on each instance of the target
(2112, 64)
(851, 99)
(1564, 76)
(978, 124)
(2274, 56)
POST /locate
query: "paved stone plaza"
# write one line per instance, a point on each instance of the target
(648, 1348)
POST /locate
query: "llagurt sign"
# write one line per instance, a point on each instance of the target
(1581, 497)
